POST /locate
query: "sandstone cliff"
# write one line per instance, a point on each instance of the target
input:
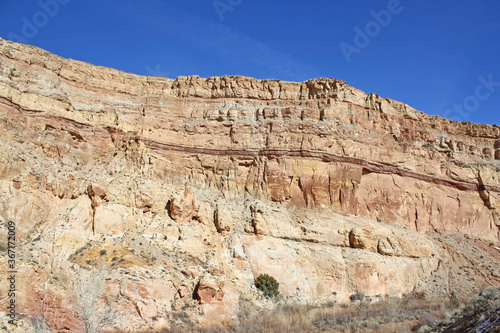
(187, 189)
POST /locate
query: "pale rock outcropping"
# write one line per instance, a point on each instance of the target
(186, 190)
(183, 208)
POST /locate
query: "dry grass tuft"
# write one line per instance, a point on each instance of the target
(387, 315)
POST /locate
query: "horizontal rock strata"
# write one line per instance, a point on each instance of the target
(186, 190)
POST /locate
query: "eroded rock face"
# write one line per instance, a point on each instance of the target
(319, 144)
(208, 291)
(183, 208)
(186, 190)
(362, 238)
(222, 219)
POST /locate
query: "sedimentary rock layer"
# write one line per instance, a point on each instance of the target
(319, 143)
(185, 190)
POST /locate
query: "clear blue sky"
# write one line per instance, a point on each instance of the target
(441, 57)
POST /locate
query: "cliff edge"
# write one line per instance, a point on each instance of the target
(186, 190)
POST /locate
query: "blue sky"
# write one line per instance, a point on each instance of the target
(441, 57)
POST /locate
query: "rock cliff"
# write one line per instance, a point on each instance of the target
(186, 190)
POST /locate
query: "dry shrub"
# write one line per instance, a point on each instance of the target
(428, 320)
(387, 315)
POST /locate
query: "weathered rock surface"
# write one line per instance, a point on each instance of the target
(188, 189)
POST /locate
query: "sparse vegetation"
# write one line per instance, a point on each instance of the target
(268, 285)
(412, 313)
(357, 297)
(39, 325)
(88, 289)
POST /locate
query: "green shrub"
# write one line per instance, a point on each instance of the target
(267, 284)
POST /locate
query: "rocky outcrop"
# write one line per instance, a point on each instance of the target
(186, 190)
(222, 219)
(319, 143)
(183, 207)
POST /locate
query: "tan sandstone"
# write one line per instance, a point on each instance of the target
(186, 190)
